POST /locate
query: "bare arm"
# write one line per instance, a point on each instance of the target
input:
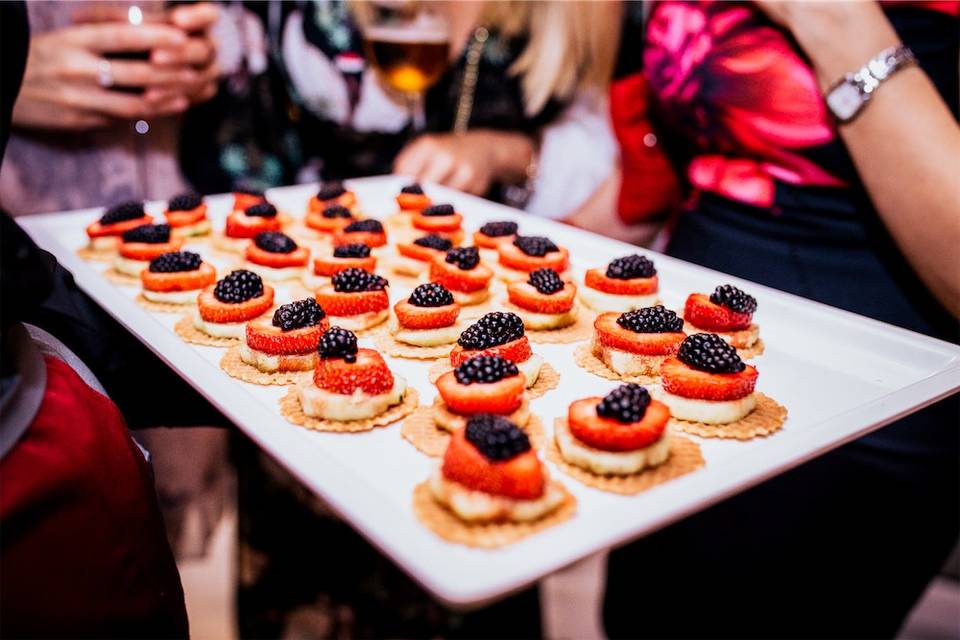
(905, 144)
(599, 214)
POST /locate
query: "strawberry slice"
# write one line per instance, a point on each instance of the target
(243, 201)
(610, 434)
(704, 314)
(240, 225)
(448, 223)
(97, 230)
(263, 336)
(372, 239)
(148, 251)
(611, 334)
(369, 374)
(685, 381)
(515, 351)
(346, 199)
(413, 317)
(179, 280)
(413, 202)
(490, 242)
(329, 265)
(511, 256)
(212, 310)
(296, 258)
(526, 296)
(352, 303)
(456, 279)
(504, 396)
(597, 279)
(185, 218)
(520, 477)
(418, 252)
(316, 221)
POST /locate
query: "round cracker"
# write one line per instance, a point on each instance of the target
(754, 350)
(389, 345)
(116, 277)
(583, 356)
(189, 332)
(448, 526)
(86, 253)
(768, 417)
(162, 307)
(422, 431)
(292, 410)
(581, 329)
(685, 456)
(237, 368)
(548, 379)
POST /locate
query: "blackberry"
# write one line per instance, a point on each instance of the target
(499, 229)
(184, 202)
(536, 246)
(546, 281)
(438, 210)
(331, 190)
(465, 258)
(248, 190)
(238, 286)
(708, 352)
(430, 295)
(413, 188)
(275, 242)
(491, 330)
(337, 211)
(369, 224)
(485, 370)
(496, 437)
(433, 241)
(298, 314)
(734, 299)
(634, 266)
(353, 280)
(338, 343)
(175, 261)
(627, 403)
(149, 233)
(656, 319)
(352, 250)
(123, 211)
(262, 210)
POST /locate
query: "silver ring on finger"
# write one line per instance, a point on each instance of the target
(104, 73)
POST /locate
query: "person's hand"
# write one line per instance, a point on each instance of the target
(468, 161)
(199, 53)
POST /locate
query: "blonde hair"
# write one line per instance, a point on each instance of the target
(571, 44)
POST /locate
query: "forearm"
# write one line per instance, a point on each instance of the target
(511, 153)
(905, 144)
(599, 214)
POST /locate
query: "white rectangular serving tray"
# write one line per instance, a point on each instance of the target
(839, 374)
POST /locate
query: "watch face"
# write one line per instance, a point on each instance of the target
(845, 101)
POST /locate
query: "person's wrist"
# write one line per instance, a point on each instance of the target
(512, 153)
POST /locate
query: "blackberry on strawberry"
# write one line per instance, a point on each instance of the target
(238, 286)
(546, 281)
(497, 438)
(434, 241)
(337, 211)
(628, 267)
(656, 319)
(466, 258)
(338, 343)
(499, 229)
(184, 202)
(148, 233)
(352, 250)
(175, 261)
(438, 210)
(627, 403)
(299, 314)
(733, 298)
(353, 279)
(370, 225)
(536, 246)
(485, 370)
(331, 190)
(412, 188)
(262, 210)
(275, 242)
(491, 330)
(430, 294)
(709, 352)
(122, 212)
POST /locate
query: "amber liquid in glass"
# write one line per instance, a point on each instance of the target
(408, 62)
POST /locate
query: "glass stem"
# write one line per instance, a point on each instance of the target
(418, 113)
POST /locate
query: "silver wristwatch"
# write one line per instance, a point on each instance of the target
(847, 97)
